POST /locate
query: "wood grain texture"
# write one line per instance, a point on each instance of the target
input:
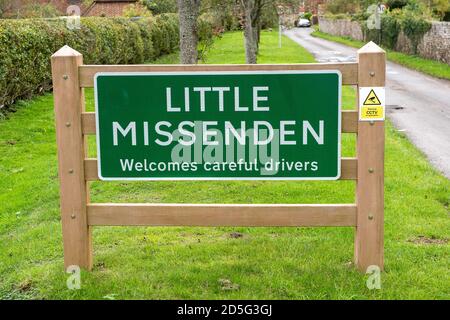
(78, 215)
(348, 169)
(69, 104)
(370, 152)
(349, 70)
(349, 121)
(252, 215)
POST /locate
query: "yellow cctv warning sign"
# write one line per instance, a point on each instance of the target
(372, 99)
(371, 103)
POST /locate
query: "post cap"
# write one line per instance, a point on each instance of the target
(66, 51)
(371, 47)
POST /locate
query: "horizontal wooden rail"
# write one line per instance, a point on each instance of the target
(348, 169)
(349, 122)
(349, 70)
(251, 215)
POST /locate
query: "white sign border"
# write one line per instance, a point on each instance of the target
(261, 72)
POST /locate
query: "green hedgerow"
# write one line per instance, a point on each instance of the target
(27, 45)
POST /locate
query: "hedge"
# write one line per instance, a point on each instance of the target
(392, 22)
(27, 45)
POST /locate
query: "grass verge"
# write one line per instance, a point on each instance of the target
(217, 263)
(427, 66)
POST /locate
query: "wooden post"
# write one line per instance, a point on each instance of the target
(370, 179)
(69, 104)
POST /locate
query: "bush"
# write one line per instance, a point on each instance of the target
(412, 19)
(343, 6)
(161, 6)
(37, 10)
(414, 28)
(165, 33)
(390, 30)
(27, 45)
(396, 4)
(307, 15)
(446, 16)
(136, 10)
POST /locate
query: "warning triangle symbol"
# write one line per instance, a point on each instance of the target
(372, 99)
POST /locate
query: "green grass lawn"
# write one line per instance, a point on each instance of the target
(162, 263)
(431, 67)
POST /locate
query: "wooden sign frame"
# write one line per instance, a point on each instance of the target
(79, 215)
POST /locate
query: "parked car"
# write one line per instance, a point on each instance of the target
(303, 23)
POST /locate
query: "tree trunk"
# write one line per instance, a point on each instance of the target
(188, 13)
(258, 35)
(250, 44)
(252, 9)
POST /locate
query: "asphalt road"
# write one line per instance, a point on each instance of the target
(417, 104)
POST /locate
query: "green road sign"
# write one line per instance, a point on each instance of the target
(218, 125)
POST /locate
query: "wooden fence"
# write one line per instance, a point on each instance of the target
(79, 215)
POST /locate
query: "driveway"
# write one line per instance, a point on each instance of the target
(417, 104)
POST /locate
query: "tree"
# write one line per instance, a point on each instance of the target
(252, 13)
(136, 10)
(396, 4)
(160, 6)
(438, 7)
(188, 12)
(348, 6)
(4, 6)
